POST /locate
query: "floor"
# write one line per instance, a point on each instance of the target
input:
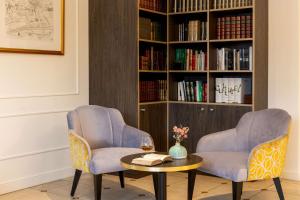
(206, 188)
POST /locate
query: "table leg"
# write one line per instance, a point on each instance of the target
(191, 183)
(162, 186)
(155, 180)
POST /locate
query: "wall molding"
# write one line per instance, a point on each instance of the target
(37, 179)
(33, 153)
(60, 94)
(34, 113)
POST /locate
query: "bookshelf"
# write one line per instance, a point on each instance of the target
(161, 58)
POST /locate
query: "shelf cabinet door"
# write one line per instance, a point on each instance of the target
(203, 120)
(153, 120)
(192, 116)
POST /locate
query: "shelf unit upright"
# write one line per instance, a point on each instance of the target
(117, 69)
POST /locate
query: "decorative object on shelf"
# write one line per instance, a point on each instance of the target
(32, 26)
(179, 134)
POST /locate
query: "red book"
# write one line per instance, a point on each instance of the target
(248, 26)
(233, 27)
(219, 29)
(227, 27)
(193, 61)
(238, 27)
(243, 26)
(223, 28)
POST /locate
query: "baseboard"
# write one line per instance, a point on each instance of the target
(34, 180)
(291, 175)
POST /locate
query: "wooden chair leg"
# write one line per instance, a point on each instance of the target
(278, 188)
(237, 189)
(121, 177)
(97, 186)
(75, 181)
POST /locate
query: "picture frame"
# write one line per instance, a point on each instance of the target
(32, 26)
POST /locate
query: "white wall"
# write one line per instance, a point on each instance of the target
(36, 91)
(284, 72)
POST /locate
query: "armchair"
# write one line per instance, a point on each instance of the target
(254, 150)
(98, 139)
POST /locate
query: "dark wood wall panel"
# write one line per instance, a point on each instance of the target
(113, 56)
(153, 119)
(203, 120)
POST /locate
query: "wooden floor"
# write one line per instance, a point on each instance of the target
(207, 188)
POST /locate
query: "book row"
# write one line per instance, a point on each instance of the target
(193, 30)
(192, 91)
(155, 90)
(235, 59)
(190, 5)
(190, 59)
(221, 4)
(234, 27)
(233, 90)
(150, 30)
(155, 5)
(152, 58)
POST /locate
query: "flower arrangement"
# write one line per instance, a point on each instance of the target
(180, 133)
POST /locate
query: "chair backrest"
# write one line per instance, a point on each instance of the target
(100, 126)
(258, 127)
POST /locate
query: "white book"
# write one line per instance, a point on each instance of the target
(175, 6)
(219, 91)
(234, 59)
(231, 92)
(225, 90)
(196, 5)
(215, 4)
(196, 30)
(240, 3)
(239, 91)
(200, 5)
(250, 58)
(179, 95)
(183, 6)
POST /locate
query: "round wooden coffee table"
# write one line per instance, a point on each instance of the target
(190, 164)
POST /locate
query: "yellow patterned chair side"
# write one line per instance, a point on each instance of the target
(80, 152)
(267, 160)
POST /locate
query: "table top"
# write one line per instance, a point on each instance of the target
(189, 163)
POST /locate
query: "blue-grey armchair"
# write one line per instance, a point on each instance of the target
(98, 138)
(254, 150)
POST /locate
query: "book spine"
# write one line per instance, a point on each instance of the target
(248, 26)
(243, 26)
(238, 27)
(233, 27)
(227, 27)
(223, 28)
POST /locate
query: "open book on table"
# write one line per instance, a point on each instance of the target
(151, 159)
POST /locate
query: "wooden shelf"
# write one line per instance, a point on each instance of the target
(230, 71)
(188, 42)
(152, 102)
(152, 12)
(152, 71)
(214, 104)
(186, 71)
(232, 40)
(231, 9)
(152, 41)
(188, 102)
(187, 13)
(230, 104)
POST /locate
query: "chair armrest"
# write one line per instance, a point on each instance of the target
(133, 137)
(81, 153)
(220, 141)
(267, 160)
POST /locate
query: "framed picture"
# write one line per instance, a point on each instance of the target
(32, 26)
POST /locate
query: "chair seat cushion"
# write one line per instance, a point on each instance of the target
(228, 165)
(107, 160)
